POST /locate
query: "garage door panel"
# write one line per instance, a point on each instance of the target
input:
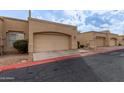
(50, 42)
(100, 41)
(113, 42)
(123, 42)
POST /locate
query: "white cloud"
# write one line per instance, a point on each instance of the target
(100, 12)
(78, 18)
(39, 17)
(105, 25)
(117, 28)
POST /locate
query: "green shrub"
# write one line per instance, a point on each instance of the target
(21, 46)
(81, 46)
(119, 44)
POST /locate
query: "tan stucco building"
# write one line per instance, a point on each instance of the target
(50, 36)
(121, 40)
(94, 39)
(42, 35)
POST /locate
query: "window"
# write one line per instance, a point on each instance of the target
(12, 37)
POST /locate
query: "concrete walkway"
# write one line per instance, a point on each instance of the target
(82, 52)
(100, 50)
(53, 54)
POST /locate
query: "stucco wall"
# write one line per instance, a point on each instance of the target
(121, 40)
(1, 27)
(13, 25)
(113, 37)
(84, 38)
(16, 25)
(38, 26)
(90, 37)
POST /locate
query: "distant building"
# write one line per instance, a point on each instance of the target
(94, 39)
(121, 40)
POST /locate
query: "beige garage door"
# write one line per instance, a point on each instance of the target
(123, 42)
(51, 42)
(100, 41)
(113, 42)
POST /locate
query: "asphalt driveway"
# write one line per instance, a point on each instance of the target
(96, 68)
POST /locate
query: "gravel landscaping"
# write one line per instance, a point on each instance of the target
(13, 59)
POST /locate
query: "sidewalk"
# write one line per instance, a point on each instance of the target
(53, 54)
(101, 50)
(82, 52)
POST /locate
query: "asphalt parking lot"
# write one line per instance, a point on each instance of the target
(106, 67)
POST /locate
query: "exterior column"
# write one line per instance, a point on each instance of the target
(107, 39)
(30, 42)
(92, 43)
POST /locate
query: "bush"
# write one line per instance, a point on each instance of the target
(81, 46)
(119, 44)
(21, 46)
(78, 44)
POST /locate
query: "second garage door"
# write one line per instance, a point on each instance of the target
(51, 42)
(100, 41)
(113, 42)
(122, 42)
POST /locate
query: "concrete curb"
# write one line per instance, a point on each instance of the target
(28, 64)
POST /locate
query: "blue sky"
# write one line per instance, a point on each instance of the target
(85, 20)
